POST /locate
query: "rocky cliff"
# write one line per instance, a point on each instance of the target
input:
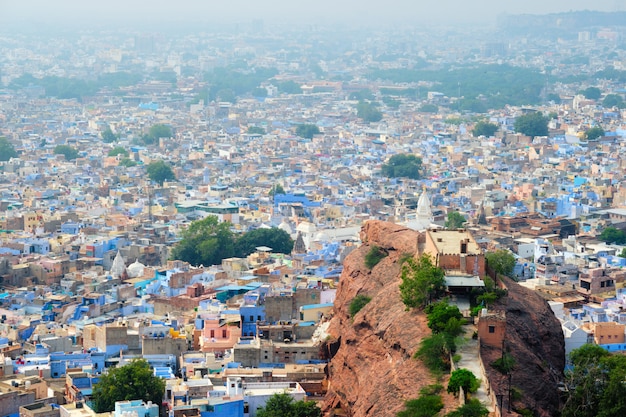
(535, 340)
(372, 372)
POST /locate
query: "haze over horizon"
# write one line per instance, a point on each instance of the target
(80, 13)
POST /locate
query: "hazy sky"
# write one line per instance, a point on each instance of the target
(318, 11)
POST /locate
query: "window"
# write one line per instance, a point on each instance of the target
(224, 334)
(212, 333)
(251, 318)
(492, 329)
(258, 318)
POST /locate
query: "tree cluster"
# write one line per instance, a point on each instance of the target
(403, 166)
(157, 132)
(159, 172)
(7, 150)
(422, 281)
(307, 131)
(134, 381)
(594, 133)
(455, 220)
(69, 152)
(484, 128)
(283, 405)
(208, 242)
(502, 261)
(595, 383)
(613, 235)
(368, 111)
(532, 124)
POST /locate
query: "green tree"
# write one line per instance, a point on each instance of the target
(159, 172)
(127, 162)
(443, 317)
(421, 281)
(455, 220)
(613, 100)
(307, 131)
(289, 87)
(66, 150)
(108, 136)
(259, 92)
(118, 150)
(472, 408)
(275, 238)
(283, 405)
(368, 112)
(7, 151)
(428, 404)
(403, 166)
(532, 124)
(591, 93)
(134, 381)
(463, 378)
(429, 108)
(595, 383)
(205, 242)
(358, 303)
(484, 128)
(256, 130)
(374, 256)
(594, 133)
(159, 131)
(276, 189)
(622, 253)
(613, 235)
(502, 261)
(434, 352)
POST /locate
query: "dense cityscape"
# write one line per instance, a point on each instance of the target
(235, 213)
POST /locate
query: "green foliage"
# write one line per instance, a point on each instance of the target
(613, 100)
(591, 93)
(7, 151)
(275, 238)
(228, 83)
(118, 150)
(455, 220)
(69, 152)
(403, 166)
(127, 162)
(504, 364)
(594, 133)
(613, 235)
(159, 172)
(472, 408)
(434, 352)
(595, 383)
(358, 303)
(108, 136)
(532, 124)
(487, 298)
(499, 85)
(256, 130)
(277, 189)
(368, 112)
(484, 128)
(463, 378)
(502, 261)
(259, 92)
(157, 132)
(391, 103)
(457, 121)
(441, 315)
(283, 405)
(374, 255)
(424, 406)
(421, 281)
(429, 108)
(307, 131)
(65, 88)
(205, 242)
(622, 253)
(289, 87)
(472, 105)
(134, 381)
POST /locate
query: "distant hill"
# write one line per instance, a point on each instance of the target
(563, 23)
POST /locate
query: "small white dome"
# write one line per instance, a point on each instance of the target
(135, 269)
